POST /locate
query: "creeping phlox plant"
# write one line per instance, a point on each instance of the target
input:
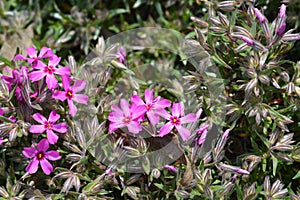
(32, 94)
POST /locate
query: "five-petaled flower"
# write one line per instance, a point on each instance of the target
(176, 120)
(127, 117)
(34, 59)
(49, 71)
(40, 156)
(70, 94)
(49, 126)
(152, 106)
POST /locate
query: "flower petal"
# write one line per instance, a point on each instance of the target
(164, 103)
(125, 107)
(29, 152)
(39, 118)
(32, 167)
(66, 82)
(138, 111)
(177, 109)
(165, 129)
(53, 117)
(135, 99)
(52, 137)
(36, 75)
(43, 145)
(134, 127)
(60, 95)
(148, 96)
(37, 128)
(153, 118)
(61, 127)
(164, 114)
(45, 53)
(52, 155)
(54, 61)
(31, 51)
(63, 71)
(51, 81)
(81, 98)
(79, 85)
(46, 166)
(114, 126)
(188, 118)
(19, 57)
(72, 108)
(183, 132)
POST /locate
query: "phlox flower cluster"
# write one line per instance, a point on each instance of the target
(41, 76)
(153, 110)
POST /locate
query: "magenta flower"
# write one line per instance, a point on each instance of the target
(203, 133)
(249, 41)
(1, 140)
(152, 106)
(259, 15)
(127, 117)
(176, 120)
(121, 54)
(40, 156)
(170, 168)
(281, 29)
(49, 71)
(49, 126)
(34, 59)
(70, 94)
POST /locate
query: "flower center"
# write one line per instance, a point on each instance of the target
(69, 94)
(49, 69)
(40, 155)
(175, 120)
(48, 125)
(126, 120)
(148, 107)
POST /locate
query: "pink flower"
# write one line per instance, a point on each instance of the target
(121, 54)
(49, 71)
(127, 117)
(48, 126)
(176, 120)
(1, 140)
(249, 41)
(281, 29)
(33, 57)
(259, 15)
(152, 106)
(70, 94)
(40, 156)
(203, 133)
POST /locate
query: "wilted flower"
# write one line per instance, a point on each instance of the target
(70, 94)
(152, 106)
(49, 126)
(34, 59)
(176, 120)
(128, 116)
(49, 71)
(40, 156)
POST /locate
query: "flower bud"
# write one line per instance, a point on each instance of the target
(282, 11)
(259, 15)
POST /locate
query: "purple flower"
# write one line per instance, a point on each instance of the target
(203, 133)
(152, 106)
(281, 29)
(49, 71)
(121, 54)
(170, 168)
(282, 11)
(70, 94)
(128, 116)
(33, 57)
(259, 15)
(49, 126)
(176, 120)
(40, 156)
(1, 140)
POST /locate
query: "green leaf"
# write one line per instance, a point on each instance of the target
(6, 62)
(275, 164)
(297, 175)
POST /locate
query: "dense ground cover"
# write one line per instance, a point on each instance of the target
(86, 118)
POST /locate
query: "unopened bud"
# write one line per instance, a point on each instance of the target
(282, 11)
(259, 15)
